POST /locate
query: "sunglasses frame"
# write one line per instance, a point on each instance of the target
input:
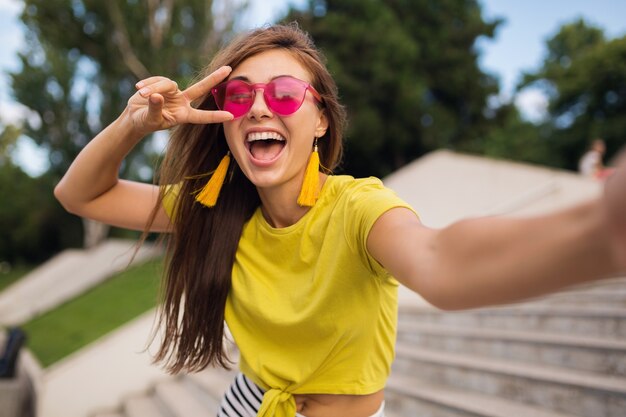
(215, 91)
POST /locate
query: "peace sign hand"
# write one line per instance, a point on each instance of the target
(159, 104)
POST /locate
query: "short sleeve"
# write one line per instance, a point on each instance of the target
(170, 197)
(366, 201)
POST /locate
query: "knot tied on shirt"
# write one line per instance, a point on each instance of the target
(277, 403)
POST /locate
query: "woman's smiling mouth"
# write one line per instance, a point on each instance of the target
(265, 146)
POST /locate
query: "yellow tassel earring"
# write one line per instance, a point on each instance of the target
(310, 186)
(208, 195)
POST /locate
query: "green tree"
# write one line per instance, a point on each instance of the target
(33, 224)
(584, 76)
(83, 58)
(8, 139)
(407, 71)
(513, 138)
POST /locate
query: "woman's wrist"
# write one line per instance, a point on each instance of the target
(131, 131)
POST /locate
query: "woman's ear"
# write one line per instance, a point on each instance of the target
(322, 125)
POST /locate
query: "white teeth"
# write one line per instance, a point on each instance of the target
(254, 136)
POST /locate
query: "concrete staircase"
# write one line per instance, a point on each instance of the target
(68, 275)
(560, 356)
(197, 395)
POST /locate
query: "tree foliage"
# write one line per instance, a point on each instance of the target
(513, 138)
(34, 226)
(84, 57)
(584, 76)
(8, 139)
(407, 71)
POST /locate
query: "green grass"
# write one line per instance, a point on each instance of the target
(71, 326)
(16, 272)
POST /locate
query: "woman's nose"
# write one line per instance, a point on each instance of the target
(259, 107)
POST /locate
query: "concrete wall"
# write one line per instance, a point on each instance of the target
(444, 186)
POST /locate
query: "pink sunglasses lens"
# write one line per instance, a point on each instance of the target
(283, 96)
(235, 97)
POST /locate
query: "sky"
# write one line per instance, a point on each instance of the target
(519, 46)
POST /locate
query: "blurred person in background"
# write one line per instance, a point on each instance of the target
(591, 164)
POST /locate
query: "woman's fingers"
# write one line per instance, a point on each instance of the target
(146, 82)
(164, 105)
(203, 86)
(155, 109)
(207, 116)
(161, 86)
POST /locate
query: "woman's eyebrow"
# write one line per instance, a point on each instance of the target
(246, 79)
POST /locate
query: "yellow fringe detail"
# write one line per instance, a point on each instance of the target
(208, 195)
(310, 186)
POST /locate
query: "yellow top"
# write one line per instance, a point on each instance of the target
(310, 310)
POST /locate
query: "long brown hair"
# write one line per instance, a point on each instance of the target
(202, 246)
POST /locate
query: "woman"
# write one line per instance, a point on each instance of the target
(303, 265)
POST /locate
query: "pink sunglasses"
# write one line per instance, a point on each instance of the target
(283, 95)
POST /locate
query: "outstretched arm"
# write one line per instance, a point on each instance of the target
(488, 261)
(91, 187)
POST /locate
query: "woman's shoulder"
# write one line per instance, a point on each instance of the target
(358, 193)
(340, 184)
(368, 193)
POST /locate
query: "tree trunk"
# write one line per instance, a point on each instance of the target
(94, 232)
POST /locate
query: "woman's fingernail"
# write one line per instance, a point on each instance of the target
(144, 91)
(139, 85)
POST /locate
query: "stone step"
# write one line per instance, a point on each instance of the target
(606, 293)
(68, 275)
(143, 406)
(618, 283)
(210, 398)
(407, 397)
(561, 390)
(108, 414)
(590, 354)
(609, 322)
(196, 394)
(605, 298)
(180, 401)
(213, 383)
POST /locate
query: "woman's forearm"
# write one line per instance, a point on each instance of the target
(490, 261)
(95, 169)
